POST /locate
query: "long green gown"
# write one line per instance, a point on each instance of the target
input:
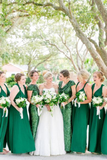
(3, 121)
(67, 112)
(104, 136)
(20, 139)
(33, 113)
(79, 135)
(95, 124)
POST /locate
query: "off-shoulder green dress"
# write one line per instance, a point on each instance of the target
(20, 139)
(67, 114)
(3, 120)
(33, 112)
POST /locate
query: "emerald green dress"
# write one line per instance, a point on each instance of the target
(96, 124)
(67, 114)
(104, 136)
(79, 135)
(33, 112)
(3, 121)
(20, 139)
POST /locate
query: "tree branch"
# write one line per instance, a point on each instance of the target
(71, 58)
(102, 10)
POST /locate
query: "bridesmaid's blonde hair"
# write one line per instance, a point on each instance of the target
(83, 74)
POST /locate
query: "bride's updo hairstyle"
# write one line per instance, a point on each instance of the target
(83, 74)
(47, 74)
(18, 76)
(100, 75)
(65, 73)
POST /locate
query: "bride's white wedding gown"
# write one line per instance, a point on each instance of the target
(50, 133)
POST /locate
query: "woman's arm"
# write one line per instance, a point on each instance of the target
(13, 93)
(104, 94)
(41, 86)
(56, 87)
(29, 94)
(88, 92)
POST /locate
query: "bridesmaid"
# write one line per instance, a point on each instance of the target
(33, 90)
(68, 87)
(79, 135)
(4, 91)
(96, 124)
(104, 134)
(20, 139)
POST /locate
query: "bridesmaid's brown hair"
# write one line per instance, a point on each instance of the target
(65, 73)
(32, 72)
(1, 72)
(18, 76)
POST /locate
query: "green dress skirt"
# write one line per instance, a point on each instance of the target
(67, 114)
(79, 135)
(20, 139)
(104, 136)
(3, 121)
(95, 125)
(33, 112)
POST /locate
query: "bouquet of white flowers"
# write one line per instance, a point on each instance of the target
(38, 100)
(51, 99)
(98, 101)
(5, 103)
(21, 103)
(62, 98)
(80, 97)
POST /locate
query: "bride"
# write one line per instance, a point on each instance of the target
(50, 136)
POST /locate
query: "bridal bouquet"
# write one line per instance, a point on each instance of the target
(98, 101)
(62, 98)
(21, 103)
(51, 99)
(5, 103)
(38, 100)
(80, 97)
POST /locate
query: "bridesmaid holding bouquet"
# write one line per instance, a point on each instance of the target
(33, 90)
(4, 92)
(96, 120)
(68, 87)
(20, 139)
(83, 96)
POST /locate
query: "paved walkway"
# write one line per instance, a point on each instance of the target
(72, 156)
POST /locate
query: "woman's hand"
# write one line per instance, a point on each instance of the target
(5, 109)
(19, 109)
(101, 107)
(63, 104)
(48, 107)
(1, 107)
(37, 105)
